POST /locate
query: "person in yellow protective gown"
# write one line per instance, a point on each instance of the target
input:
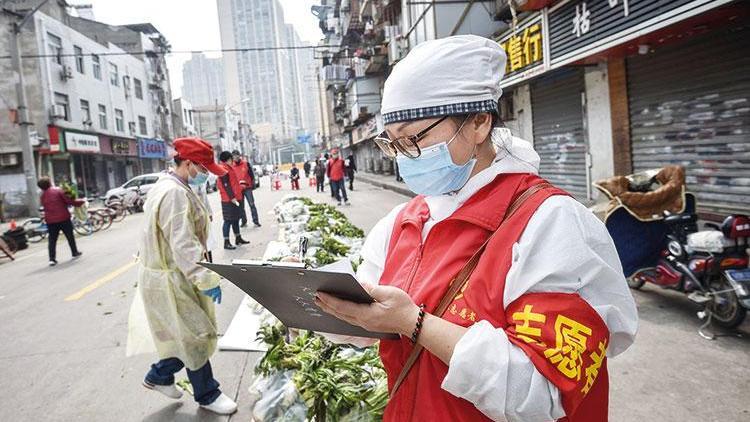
(178, 295)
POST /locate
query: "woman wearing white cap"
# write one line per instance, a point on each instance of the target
(511, 290)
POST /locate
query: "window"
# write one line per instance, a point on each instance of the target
(61, 100)
(142, 127)
(85, 112)
(138, 88)
(102, 116)
(97, 66)
(133, 183)
(79, 58)
(114, 77)
(55, 47)
(119, 121)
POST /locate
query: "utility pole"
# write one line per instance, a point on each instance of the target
(29, 168)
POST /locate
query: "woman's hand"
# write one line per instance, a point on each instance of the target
(392, 312)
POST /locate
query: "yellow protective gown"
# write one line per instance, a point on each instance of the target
(181, 319)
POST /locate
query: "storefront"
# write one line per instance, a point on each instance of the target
(368, 156)
(120, 160)
(690, 105)
(152, 153)
(82, 149)
(559, 136)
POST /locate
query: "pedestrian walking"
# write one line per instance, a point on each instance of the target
(231, 195)
(294, 173)
(246, 176)
(320, 176)
(177, 294)
(508, 294)
(307, 167)
(350, 166)
(57, 217)
(336, 176)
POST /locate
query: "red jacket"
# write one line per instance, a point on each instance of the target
(242, 170)
(336, 169)
(56, 204)
(229, 185)
(425, 269)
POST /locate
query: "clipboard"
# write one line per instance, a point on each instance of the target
(288, 292)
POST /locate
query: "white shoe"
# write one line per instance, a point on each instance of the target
(223, 405)
(168, 390)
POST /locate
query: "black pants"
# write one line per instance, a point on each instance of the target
(339, 189)
(330, 183)
(350, 176)
(320, 184)
(234, 224)
(247, 195)
(54, 231)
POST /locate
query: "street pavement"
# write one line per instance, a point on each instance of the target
(64, 330)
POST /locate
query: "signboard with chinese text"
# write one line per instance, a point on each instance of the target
(120, 146)
(151, 148)
(81, 142)
(524, 48)
(578, 27)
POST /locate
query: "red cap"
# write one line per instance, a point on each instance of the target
(198, 151)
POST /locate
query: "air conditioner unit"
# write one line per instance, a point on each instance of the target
(8, 160)
(57, 112)
(66, 73)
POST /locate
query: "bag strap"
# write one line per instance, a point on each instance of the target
(460, 280)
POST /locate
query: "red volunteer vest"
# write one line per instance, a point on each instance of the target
(234, 183)
(562, 335)
(243, 173)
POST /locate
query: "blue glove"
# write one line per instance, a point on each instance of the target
(214, 294)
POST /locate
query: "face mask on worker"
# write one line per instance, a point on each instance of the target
(199, 179)
(434, 172)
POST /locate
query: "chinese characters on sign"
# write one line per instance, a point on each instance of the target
(120, 146)
(151, 148)
(625, 6)
(81, 142)
(523, 49)
(582, 20)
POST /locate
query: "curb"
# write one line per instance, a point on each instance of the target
(389, 186)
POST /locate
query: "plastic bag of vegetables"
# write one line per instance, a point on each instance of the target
(275, 398)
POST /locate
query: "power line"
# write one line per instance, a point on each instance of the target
(164, 53)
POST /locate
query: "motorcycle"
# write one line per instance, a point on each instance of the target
(133, 200)
(654, 225)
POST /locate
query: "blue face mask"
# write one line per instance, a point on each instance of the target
(198, 180)
(434, 172)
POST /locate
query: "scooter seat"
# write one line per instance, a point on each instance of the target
(679, 219)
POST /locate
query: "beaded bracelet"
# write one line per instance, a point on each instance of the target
(418, 327)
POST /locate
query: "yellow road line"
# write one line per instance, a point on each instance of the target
(100, 282)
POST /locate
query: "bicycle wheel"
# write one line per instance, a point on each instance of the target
(35, 229)
(96, 221)
(84, 228)
(118, 212)
(106, 217)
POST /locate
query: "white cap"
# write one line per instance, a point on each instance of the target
(448, 76)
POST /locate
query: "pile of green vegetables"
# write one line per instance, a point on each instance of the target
(330, 222)
(335, 381)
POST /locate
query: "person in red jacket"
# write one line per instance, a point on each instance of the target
(246, 176)
(57, 216)
(230, 190)
(336, 169)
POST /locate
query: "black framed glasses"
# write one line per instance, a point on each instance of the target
(406, 145)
